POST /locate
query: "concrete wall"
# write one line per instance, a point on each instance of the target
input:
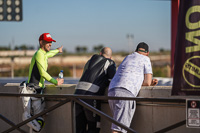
(147, 119)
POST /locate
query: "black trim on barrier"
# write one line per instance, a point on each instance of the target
(77, 98)
(69, 96)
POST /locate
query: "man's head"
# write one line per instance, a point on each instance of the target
(45, 41)
(142, 48)
(106, 52)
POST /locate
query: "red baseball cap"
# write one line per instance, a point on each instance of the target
(47, 37)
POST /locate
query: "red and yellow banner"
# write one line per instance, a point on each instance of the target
(187, 50)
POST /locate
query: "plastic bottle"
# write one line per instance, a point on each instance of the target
(60, 74)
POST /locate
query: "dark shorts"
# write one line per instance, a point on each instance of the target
(86, 120)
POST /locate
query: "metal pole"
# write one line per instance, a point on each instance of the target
(74, 70)
(35, 116)
(12, 67)
(172, 127)
(11, 123)
(73, 116)
(130, 42)
(174, 23)
(85, 105)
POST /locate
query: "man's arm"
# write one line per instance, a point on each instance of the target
(148, 80)
(44, 74)
(148, 74)
(60, 49)
(40, 64)
(52, 53)
(47, 77)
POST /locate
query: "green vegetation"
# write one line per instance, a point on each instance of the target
(24, 47)
(84, 49)
(98, 48)
(160, 52)
(81, 49)
(160, 71)
(22, 72)
(21, 47)
(3, 48)
(52, 70)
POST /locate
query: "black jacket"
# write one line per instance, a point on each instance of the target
(96, 77)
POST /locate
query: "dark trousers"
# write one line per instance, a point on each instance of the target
(86, 120)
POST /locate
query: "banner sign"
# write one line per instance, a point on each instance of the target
(186, 79)
(193, 113)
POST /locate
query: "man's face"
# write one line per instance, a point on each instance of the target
(46, 46)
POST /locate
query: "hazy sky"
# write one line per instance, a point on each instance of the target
(89, 23)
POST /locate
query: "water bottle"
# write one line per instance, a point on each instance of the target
(60, 74)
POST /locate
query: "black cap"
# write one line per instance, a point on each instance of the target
(144, 46)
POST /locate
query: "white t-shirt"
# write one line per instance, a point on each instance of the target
(130, 74)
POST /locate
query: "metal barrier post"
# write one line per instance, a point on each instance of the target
(35, 116)
(171, 127)
(84, 104)
(73, 116)
(11, 123)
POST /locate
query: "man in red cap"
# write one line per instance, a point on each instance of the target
(37, 75)
(38, 68)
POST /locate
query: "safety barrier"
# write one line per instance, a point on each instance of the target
(78, 98)
(58, 99)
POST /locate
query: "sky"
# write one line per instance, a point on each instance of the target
(91, 23)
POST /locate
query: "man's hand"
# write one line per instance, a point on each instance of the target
(60, 49)
(60, 81)
(154, 82)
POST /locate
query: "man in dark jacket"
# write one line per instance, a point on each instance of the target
(97, 74)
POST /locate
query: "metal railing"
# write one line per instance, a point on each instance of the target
(63, 99)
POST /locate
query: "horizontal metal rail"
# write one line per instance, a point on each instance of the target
(161, 105)
(70, 96)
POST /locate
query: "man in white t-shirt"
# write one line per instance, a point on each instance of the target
(135, 71)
